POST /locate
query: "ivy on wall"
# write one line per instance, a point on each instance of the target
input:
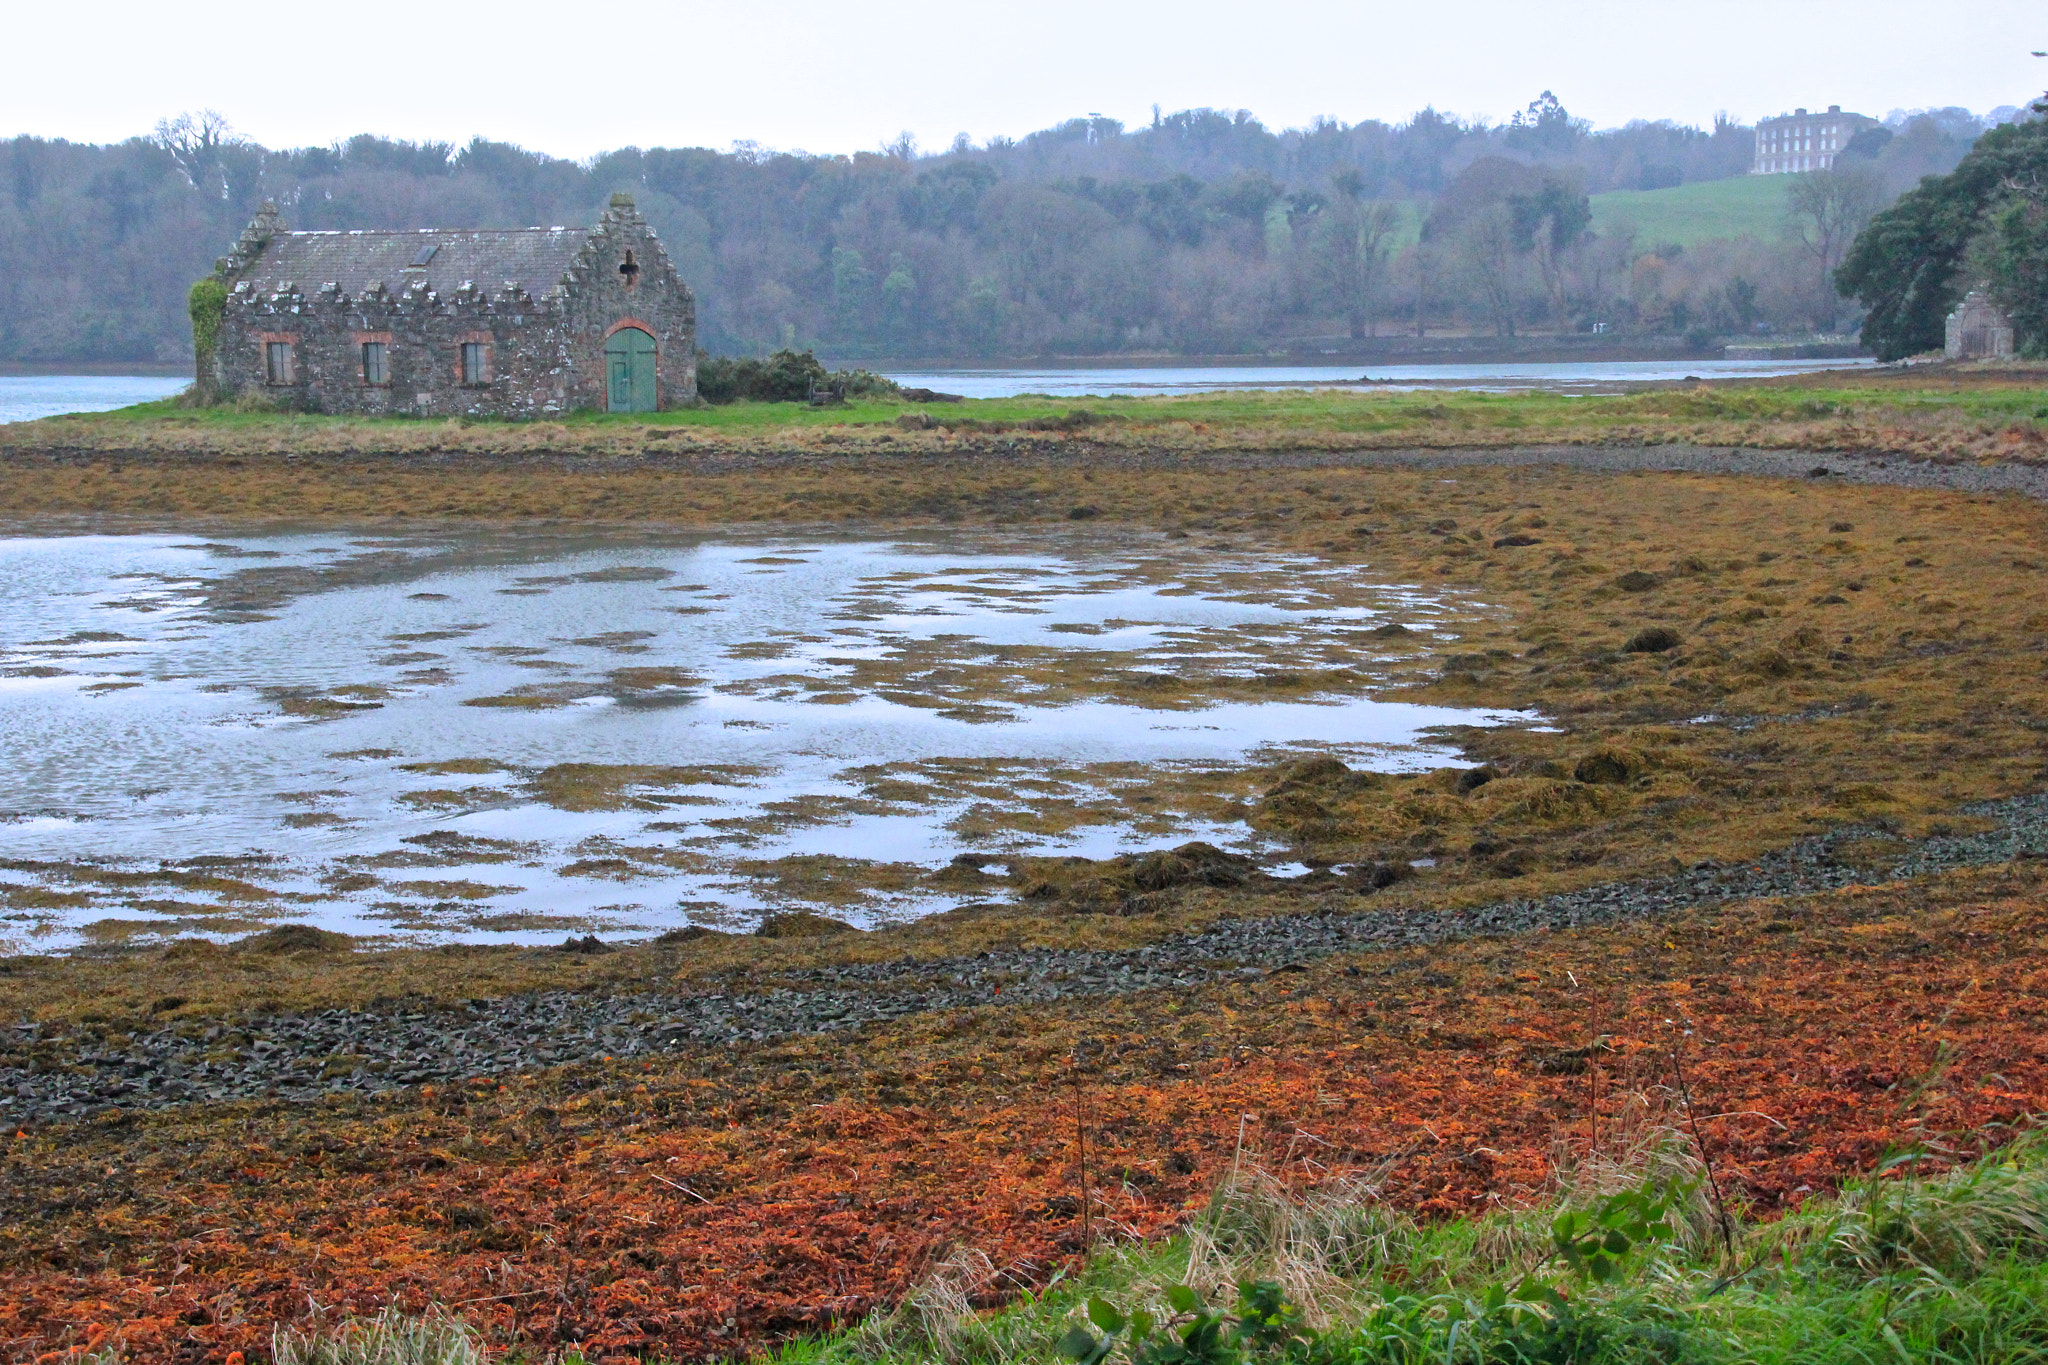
(207, 303)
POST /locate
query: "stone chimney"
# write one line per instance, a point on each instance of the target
(267, 224)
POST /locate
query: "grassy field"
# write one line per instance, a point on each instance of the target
(1742, 205)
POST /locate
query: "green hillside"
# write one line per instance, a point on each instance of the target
(1685, 214)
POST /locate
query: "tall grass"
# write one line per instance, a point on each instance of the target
(390, 1338)
(1955, 1226)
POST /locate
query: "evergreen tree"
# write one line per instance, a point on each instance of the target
(1907, 266)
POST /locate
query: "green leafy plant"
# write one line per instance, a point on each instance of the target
(1267, 1323)
(1594, 1241)
(1264, 1326)
(207, 303)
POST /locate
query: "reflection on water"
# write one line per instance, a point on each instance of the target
(25, 397)
(1606, 376)
(505, 734)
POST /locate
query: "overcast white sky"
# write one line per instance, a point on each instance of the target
(848, 75)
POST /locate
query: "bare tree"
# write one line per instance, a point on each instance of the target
(1486, 245)
(1825, 210)
(198, 142)
(1424, 267)
(1550, 225)
(1361, 237)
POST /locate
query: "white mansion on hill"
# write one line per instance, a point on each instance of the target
(1800, 141)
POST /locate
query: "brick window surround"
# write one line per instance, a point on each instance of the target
(375, 368)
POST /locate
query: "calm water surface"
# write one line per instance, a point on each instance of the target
(25, 397)
(502, 735)
(1577, 377)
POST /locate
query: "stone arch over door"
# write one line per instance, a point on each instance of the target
(630, 357)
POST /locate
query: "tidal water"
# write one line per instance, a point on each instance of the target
(25, 397)
(506, 735)
(1582, 377)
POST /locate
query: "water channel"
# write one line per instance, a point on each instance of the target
(1572, 377)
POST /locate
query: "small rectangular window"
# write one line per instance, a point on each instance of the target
(376, 365)
(277, 362)
(475, 366)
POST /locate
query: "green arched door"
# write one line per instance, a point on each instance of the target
(629, 367)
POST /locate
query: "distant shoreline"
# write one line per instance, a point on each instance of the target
(152, 368)
(1445, 349)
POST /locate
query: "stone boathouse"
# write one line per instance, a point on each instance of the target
(498, 322)
(1979, 330)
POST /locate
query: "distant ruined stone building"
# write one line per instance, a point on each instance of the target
(1978, 330)
(505, 322)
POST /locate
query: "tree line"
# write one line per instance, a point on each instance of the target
(1202, 232)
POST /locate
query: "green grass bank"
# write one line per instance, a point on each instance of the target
(1968, 411)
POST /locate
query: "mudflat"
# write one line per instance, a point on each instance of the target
(1788, 709)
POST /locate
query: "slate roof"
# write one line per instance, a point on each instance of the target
(533, 258)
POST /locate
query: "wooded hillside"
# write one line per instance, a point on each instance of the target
(1204, 232)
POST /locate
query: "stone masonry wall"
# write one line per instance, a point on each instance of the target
(599, 297)
(1978, 329)
(545, 355)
